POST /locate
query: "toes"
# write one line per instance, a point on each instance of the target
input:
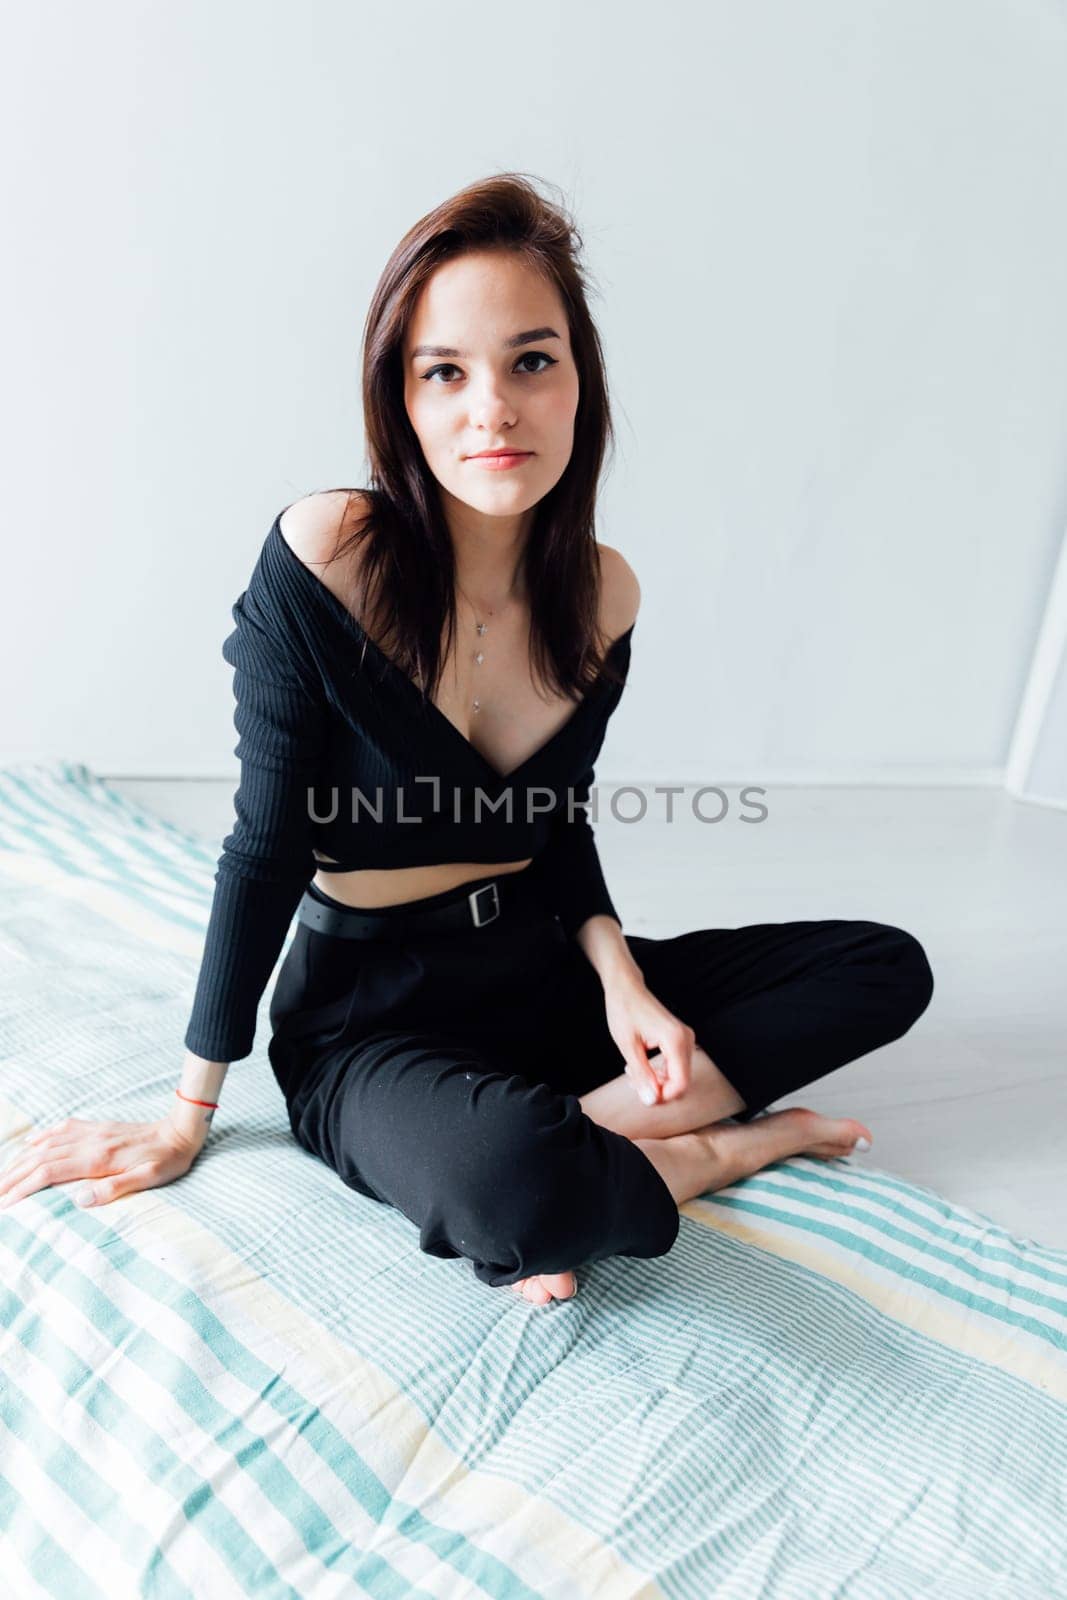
(548, 1286)
(830, 1151)
(840, 1135)
(530, 1289)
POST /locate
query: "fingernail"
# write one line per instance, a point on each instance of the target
(84, 1197)
(862, 1144)
(648, 1096)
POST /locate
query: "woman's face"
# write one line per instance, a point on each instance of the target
(477, 389)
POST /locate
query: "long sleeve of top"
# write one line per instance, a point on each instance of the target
(569, 865)
(267, 859)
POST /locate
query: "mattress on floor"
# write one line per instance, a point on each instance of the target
(251, 1381)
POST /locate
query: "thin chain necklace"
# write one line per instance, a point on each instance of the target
(481, 628)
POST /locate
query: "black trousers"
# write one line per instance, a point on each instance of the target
(441, 1075)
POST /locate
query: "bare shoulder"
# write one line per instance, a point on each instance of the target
(620, 592)
(313, 526)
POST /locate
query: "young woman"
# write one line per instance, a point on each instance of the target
(424, 674)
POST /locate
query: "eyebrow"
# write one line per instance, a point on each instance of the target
(509, 344)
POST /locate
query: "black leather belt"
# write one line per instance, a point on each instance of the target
(480, 907)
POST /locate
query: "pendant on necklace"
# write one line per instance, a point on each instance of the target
(479, 657)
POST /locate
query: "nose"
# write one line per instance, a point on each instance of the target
(490, 409)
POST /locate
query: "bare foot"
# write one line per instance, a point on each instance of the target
(548, 1286)
(743, 1148)
(738, 1150)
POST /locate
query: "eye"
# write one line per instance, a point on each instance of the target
(538, 355)
(529, 355)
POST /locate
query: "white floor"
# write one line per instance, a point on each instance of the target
(973, 1101)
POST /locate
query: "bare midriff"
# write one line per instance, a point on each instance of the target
(394, 886)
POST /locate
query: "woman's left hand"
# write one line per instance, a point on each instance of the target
(637, 1021)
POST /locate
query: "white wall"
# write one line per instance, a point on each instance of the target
(831, 242)
(1037, 761)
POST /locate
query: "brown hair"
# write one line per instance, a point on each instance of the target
(407, 570)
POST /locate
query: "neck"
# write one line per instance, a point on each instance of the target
(487, 552)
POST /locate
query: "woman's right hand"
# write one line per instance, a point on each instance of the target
(114, 1158)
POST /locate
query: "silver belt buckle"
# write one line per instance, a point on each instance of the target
(472, 900)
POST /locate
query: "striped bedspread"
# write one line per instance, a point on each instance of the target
(251, 1382)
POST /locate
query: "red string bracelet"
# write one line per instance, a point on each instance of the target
(212, 1105)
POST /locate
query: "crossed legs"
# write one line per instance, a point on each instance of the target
(694, 1150)
(709, 1098)
(780, 1004)
(455, 1131)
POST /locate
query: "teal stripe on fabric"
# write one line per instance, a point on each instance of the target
(763, 1183)
(857, 1187)
(69, 820)
(154, 1457)
(80, 1483)
(754, 1384)
(45, 832)
(1022, 1254)
(88, 790)
(49, 1563)
(251, 1452)
(21, 824)
(99, 792)
(905, 1270)
(80, 788)
(76, 870)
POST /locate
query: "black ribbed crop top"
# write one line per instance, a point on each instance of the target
(340, 752)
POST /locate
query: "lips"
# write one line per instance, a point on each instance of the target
(505, 461)
(482, 455)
